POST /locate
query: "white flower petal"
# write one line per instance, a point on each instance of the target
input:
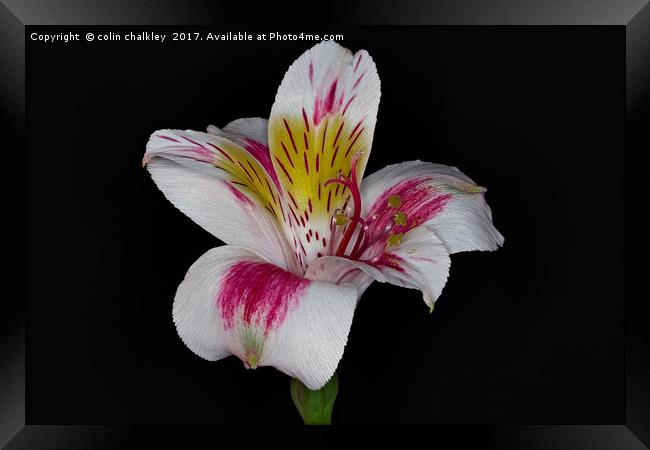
(233, 302)
(461, 218)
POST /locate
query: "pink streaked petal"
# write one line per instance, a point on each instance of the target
(439, 197)
(261, 292)
(421, 261)
(420, 202)
(234, 302)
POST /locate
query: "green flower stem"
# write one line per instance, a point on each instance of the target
(315, 407)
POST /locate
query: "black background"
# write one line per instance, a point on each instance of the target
(532, 333)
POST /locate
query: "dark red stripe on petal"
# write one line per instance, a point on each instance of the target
(294, 215)
(338, 133)
(268, 186)
(293, 200)
(246, 171)
(358, 62)
(168, 138)
(304, 118)
(354, 130)
(192, 141)
(347, 105)
(223, 152)
(347, 152)
(293, 142)
(284, 170)
(257, 175)
(287, 153)
(356, 83)
(304, 157)
(336, 150)
(322, 145)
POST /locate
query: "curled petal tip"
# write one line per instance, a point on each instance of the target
(429, 302)
(146, 159)
(471, 188)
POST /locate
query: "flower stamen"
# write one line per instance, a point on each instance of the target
(395, 239)
(400, 218)
(353, 187)
(333, 226)
(361, 239)
(376, 238)
(395, 201)
(340, 219)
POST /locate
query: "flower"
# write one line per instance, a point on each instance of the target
(305, 235)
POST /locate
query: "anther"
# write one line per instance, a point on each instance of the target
(395, 239)
(340, 219)
(400, 218)
(395, 201)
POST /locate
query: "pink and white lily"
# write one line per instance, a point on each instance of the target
(305, 234)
